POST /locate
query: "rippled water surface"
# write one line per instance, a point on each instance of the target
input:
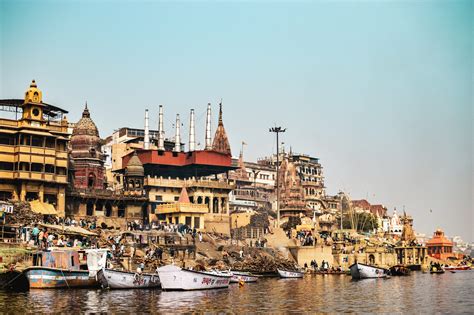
(419, 293)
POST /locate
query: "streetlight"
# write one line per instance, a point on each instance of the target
(277, 131)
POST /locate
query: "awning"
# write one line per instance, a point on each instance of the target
(42, 208)
(38, 133)
(69, 230)
(8, 131)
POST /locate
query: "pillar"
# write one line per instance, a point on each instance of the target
(211, 203)
(23, 192)
(219, 205)
(41, 193)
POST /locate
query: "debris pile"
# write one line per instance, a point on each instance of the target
(22, 214)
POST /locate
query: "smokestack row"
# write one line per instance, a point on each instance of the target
(177, 145)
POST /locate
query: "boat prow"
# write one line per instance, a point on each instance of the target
(362, 271)
(176, 278)
(290, 274)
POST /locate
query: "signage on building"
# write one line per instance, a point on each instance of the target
(6, 207)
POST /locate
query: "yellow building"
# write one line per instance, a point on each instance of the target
(182, 212)
(33, 150)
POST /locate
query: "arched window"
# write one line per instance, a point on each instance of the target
(91, 180)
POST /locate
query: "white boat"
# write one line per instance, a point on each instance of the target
(116, 279)
(290, 274)
(361, 271)
(175, 278)
(238, 276)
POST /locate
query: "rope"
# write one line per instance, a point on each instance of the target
(65, 279)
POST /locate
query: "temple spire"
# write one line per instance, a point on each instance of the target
(221, 142)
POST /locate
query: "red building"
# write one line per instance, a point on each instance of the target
(86, 154)
(439, 246)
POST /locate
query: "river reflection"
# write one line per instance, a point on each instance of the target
(419, 293)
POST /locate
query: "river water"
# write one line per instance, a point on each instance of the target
(418, 293)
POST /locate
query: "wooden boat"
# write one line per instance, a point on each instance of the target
(116, 279)
(290, 274)
(399, 270)
(238, 276)
(53, 278)
(62, 268)
(330, 272)
(457, 268)
(362, 271)
(176, 278)
(14, 280)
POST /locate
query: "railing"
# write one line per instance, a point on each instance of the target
(163, 182)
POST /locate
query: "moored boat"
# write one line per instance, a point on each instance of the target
(238, 276)
(62, 268)
(290, 274)
(176, 278)
(116, 279)
(362, 271)
(457, 268)
(399, 270)
(52, 278)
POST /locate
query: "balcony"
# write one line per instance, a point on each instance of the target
(179, 183)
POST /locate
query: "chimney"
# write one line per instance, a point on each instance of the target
(192, 141)
(146, 140)
(177, 140)
(161, 132)
(208, 128)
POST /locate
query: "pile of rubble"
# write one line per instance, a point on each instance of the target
(22, 214)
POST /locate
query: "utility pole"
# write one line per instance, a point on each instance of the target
(255, 173)
(277, 131)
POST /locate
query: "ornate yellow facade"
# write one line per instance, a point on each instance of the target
(33, 151)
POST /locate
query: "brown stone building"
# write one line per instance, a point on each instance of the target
(88, 195)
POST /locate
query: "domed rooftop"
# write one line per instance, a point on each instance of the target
(134, 166)
(85, 141)
(33, 94)
(85, 125)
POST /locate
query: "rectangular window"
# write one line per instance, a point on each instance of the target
(188, 221)
(197, 223)
(159, 198)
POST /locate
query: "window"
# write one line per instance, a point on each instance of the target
(176, 198)
(6, 166)
(188, 221)
(159, 198)
(197, 223)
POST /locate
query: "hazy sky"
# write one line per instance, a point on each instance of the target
(381, 92)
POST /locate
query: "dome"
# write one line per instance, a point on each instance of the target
(33, 94)
(85, 140)
(134, 166)
(85, 125)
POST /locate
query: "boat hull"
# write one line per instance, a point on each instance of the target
(115, 279)
(173, 278)
(361, 271)
(243, 276)
(457, 268)
(54, 278)
(290, 274)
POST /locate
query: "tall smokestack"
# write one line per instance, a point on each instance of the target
(208, 128)
(192, 140)
(177, 139)
(146, 140)
(161, 132)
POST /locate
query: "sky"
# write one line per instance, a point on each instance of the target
(380, 91)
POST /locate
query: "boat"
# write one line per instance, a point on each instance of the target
(399, 270)
(290, 273)
(238, 276)
(362, 271)
(117, 279)
(62, 268)
(436, 268)
(174, 278)
(457, 268)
